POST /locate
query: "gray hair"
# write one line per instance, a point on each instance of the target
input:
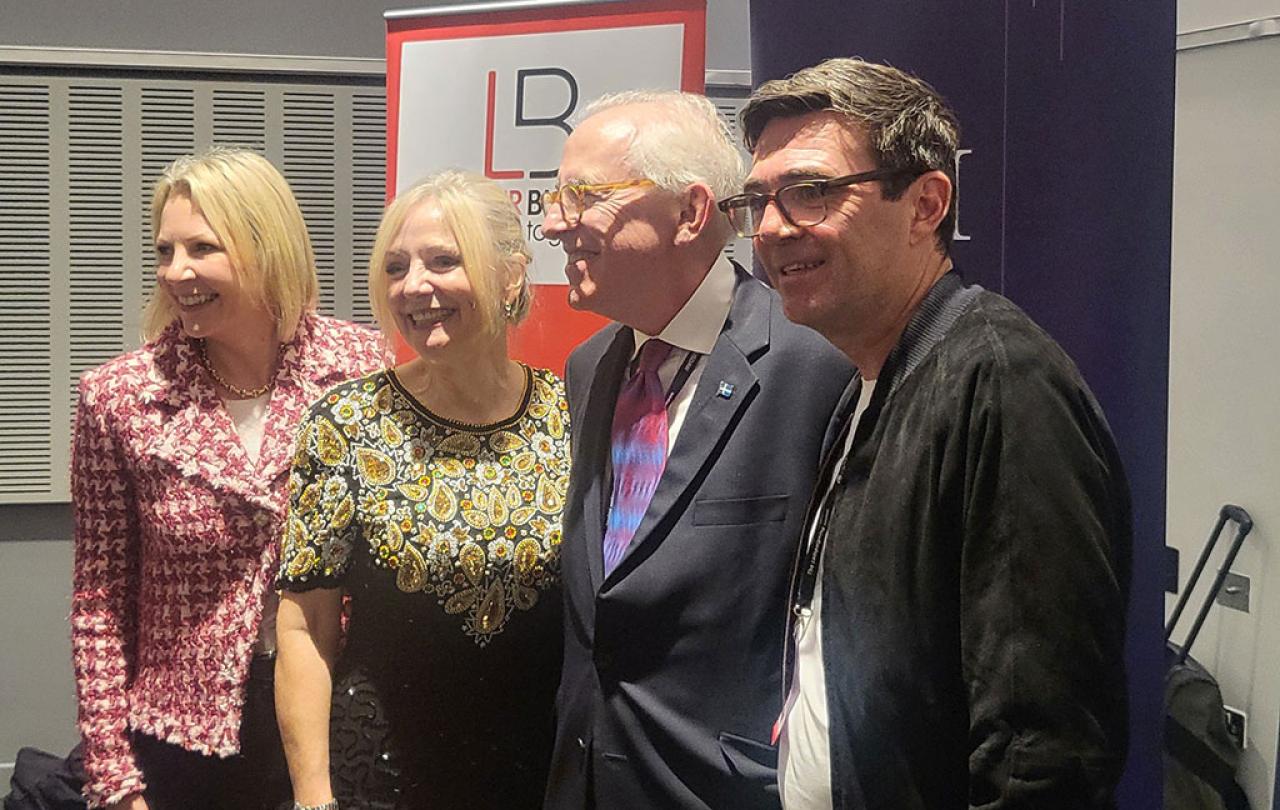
(908, 124)
(688, 144)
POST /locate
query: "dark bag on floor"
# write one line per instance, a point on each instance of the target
(1200, 755)
(42, 781)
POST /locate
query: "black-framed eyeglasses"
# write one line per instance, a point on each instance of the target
(801, 204)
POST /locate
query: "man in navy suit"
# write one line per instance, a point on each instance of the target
(673, 651)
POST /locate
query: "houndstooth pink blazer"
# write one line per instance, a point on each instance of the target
(176, 541)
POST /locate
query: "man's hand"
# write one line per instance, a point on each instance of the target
(133, 801)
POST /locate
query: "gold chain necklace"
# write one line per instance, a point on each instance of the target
(243, 393)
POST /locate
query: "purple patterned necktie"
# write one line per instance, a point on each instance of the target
(639, 450)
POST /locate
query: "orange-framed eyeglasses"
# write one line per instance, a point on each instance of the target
(574, 198)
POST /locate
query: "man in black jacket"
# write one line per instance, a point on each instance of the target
(960, 592)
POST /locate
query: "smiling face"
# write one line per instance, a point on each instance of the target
(849, 270)
(195, 271)
(615, 249)
(428, 293)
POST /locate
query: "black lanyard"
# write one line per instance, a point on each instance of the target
(685, 371)
(816, 541)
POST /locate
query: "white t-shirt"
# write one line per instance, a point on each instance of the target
(804, 741)
(250, 419)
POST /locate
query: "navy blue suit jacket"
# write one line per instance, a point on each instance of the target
(672, 669)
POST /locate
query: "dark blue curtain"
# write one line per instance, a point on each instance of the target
(1066, 203)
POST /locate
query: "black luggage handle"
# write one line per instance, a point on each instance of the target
(1239, 516)
(1245, 523)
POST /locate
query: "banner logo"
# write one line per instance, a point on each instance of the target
(503, 106)
(522, 119)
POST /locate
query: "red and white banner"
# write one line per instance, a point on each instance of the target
(495, 91)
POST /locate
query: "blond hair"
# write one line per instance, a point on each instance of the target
(485, 224)
(251, 208)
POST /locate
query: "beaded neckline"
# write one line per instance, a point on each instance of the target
(458, 424)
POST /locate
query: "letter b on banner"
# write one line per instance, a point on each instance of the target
(560, 119)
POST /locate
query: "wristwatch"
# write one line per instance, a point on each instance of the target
(332, 804)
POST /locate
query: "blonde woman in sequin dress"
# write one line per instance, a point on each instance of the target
(431, 495)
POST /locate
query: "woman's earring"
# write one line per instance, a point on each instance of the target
(509, 310)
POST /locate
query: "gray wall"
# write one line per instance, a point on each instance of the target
(306, 27)
(341, 28)
(37, 693)
(37, 704)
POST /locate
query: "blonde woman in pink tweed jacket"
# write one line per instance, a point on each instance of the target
(179, 474)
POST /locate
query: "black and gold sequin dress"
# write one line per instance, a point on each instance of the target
(446, 538)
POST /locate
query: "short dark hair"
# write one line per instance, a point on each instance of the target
(908, 124)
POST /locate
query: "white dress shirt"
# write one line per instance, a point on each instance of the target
(694, 329)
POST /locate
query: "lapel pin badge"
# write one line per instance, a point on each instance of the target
(725, 390)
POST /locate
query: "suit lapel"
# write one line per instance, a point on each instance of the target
(709, 419)
(591, 446)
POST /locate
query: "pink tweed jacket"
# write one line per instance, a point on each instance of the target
(175, 541)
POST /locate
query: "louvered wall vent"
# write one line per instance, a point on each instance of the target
(728, 101)
(78, 158)
(26, 262)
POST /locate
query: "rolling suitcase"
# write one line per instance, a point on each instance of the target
(1200, 755)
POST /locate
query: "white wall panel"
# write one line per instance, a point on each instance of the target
(1224, 394)
(1194, 15)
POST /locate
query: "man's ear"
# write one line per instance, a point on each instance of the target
(931, 199)
(697, 212)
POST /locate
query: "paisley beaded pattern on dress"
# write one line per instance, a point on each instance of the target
(469, 515)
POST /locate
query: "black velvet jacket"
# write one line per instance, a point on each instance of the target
(976, 574)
